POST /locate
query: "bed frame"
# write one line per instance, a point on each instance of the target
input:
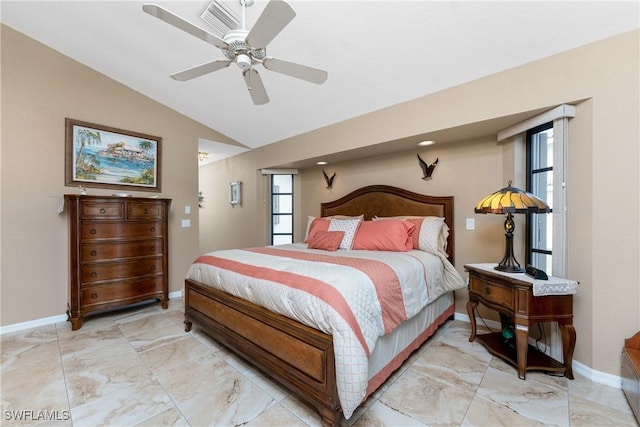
(297, 356)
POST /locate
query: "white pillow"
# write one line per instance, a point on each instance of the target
(433, 235)
(349, 226)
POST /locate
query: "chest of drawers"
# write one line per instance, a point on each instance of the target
(118, 253)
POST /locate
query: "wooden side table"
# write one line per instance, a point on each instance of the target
(525, 301)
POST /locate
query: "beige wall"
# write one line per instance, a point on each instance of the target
(40, 88)
(604, 243)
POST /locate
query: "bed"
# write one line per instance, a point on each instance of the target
(227, 294)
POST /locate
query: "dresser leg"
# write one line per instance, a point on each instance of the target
(76, 323)
(568, 333)
(522, 346)
(471, 306)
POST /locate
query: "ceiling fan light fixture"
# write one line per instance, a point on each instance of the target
(244, 61)
(239, 45)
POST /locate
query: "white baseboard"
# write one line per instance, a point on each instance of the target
(175, 294)
(17, 327)
(596, 376)
(614, 381)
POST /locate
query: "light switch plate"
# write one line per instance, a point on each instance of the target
(186, 223)
(471, 224)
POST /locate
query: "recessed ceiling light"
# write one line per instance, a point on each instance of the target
(321, 163)
(428, 142)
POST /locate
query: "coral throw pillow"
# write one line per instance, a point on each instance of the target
(326, 240)
(430, 233)
(389, 235)
(315, 225)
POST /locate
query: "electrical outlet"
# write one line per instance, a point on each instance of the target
(471, 224)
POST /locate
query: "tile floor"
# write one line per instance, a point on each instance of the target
(139, 367)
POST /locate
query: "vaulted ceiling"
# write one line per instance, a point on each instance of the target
(376, 53)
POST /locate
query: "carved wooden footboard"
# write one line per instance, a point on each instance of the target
(297, 356)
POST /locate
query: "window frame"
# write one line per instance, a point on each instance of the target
(530, 172)
(273, 215)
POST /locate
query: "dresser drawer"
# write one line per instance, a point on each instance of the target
(107, 251)
(118, 293)
(102, 210)
(120, 270)
(105, 230)
(145, 210)
(491, 291)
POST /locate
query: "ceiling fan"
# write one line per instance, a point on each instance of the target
(244, 48)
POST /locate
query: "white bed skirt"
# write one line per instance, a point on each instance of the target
(393, 349)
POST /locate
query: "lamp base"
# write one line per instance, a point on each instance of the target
(509, 263)
(509, 268)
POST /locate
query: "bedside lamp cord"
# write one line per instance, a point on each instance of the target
(541, 333)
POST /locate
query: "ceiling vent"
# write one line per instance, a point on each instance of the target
(223, 15)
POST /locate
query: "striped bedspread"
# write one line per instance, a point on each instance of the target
(355, 296)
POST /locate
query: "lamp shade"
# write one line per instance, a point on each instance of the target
(511, 200)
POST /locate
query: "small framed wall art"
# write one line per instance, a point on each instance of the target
(235, 193)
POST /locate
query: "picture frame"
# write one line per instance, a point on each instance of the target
(106, 157)
(235, 193)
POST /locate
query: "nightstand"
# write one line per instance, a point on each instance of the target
(524, 301)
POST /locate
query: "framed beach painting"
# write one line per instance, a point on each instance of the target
(105, 157)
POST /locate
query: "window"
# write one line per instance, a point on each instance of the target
(539, 154)
(281, 209)
(547, 157)
(547, 138)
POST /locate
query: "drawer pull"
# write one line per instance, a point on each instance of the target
(94, 253)
(146, 211)
(93, 274)
(153, 267)
(102, 210)
(94, 296)
(487, 290)
(93, 231)
(153, 229)
(153, 248)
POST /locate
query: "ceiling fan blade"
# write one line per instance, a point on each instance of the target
(172, 19)
(313, 75)
(200, 70)
(275, 16)
(255, 86)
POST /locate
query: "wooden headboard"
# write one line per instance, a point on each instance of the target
(385, 200)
